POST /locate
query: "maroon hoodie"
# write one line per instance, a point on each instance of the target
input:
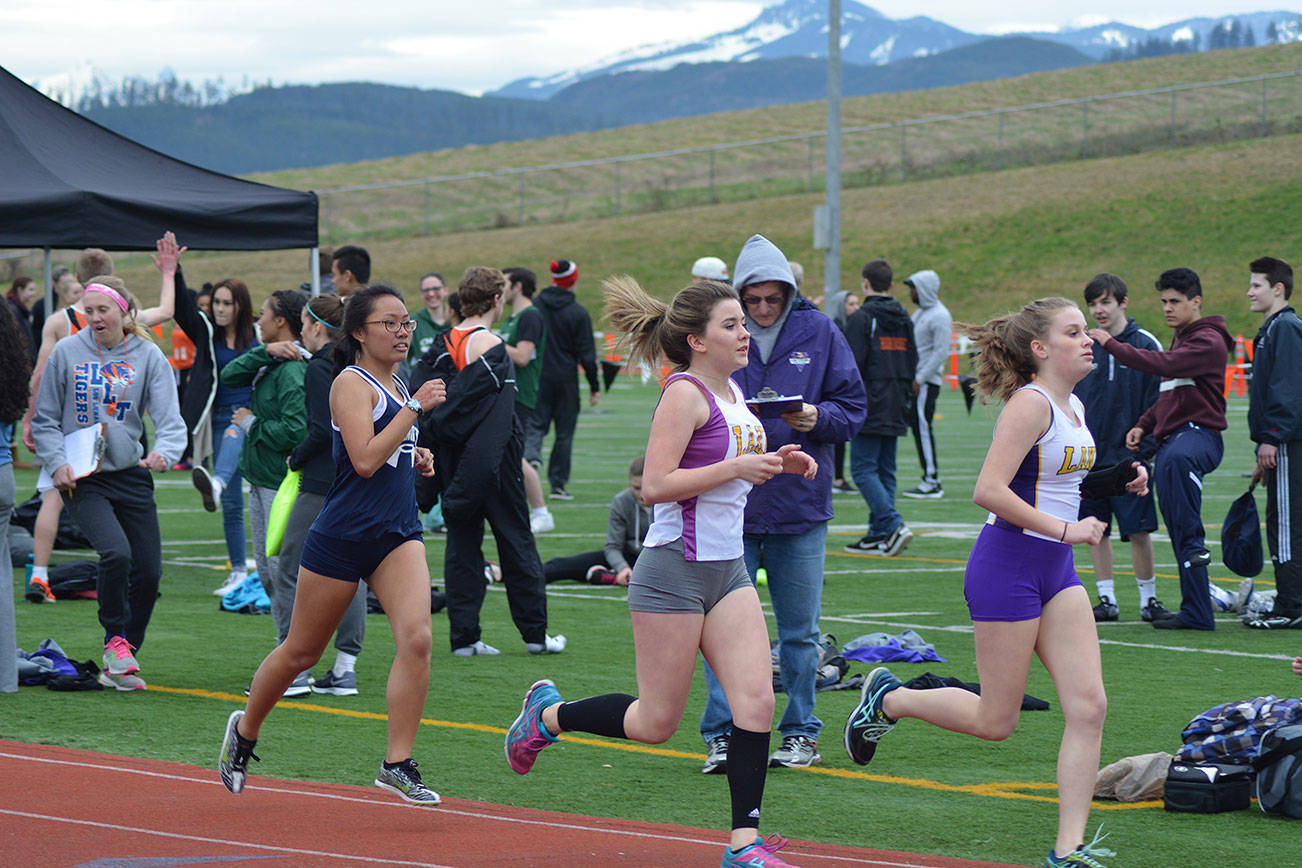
(1193, 377)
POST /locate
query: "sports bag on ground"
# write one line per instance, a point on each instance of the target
(1279, 771)
(1207, 788)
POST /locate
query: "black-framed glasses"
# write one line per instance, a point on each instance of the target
(394, 326)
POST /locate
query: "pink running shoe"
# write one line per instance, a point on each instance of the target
(118, 659)
(527, 735)
(761, 854)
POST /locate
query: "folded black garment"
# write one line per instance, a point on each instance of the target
(1110, 481)
(930, 681)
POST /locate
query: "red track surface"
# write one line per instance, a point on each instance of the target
(64, 807)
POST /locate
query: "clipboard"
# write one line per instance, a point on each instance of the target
(83, 450)
(768, 404)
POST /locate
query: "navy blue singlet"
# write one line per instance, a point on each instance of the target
(356, 508)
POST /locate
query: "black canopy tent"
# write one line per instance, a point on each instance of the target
(67, 182)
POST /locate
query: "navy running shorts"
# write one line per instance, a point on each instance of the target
(1134, 514)
(348, 560)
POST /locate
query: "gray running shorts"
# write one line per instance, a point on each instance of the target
(666, 582)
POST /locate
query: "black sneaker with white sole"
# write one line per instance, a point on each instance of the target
(869, 544)
(898, 541)
(1106, 610)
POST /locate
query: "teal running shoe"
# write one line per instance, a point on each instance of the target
(868, 722)
(527, 735)
(1084, 856)
(761, 854)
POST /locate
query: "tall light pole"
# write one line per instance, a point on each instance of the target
(832, 208)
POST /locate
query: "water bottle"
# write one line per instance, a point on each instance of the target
(28, 567)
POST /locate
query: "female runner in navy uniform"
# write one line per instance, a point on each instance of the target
(689, 590)
(368, 529)
(1021, 585)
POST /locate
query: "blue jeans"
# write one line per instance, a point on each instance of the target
(226, 462)
(794, 562)
(872, 464)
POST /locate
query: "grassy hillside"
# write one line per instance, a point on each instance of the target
(806, 117)
(996, 239)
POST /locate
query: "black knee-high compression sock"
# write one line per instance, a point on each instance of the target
(748, 763)
(599, 715)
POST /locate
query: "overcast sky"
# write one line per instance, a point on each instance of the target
(454, 44)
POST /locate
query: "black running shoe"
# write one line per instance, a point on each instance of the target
(1106, 610)
(233, 761)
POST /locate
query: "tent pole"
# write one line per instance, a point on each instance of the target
(49, 286)
(315, 268)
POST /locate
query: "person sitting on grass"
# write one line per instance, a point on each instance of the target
(1021, 585)
(630, 517)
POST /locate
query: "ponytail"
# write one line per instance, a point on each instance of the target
(655, 329)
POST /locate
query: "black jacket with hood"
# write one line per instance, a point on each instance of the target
(569, 337)
(880, 334)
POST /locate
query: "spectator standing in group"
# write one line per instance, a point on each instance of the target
(881, 337)
(22, 295)
(15, 369)
(263, 433)
(208, 405)
(325, 257)
(367, 529)
(110, 373)
(67, 291)
(711, 268)
(479, 452)
(1115, 396)
(1187, 420)
(1275, 425)
(690, 591)
(793, 350)
(626, 527)
(933, 329)
(431, 323)
(526, 341)
(569, 345)
(91, 264)
(350, 268)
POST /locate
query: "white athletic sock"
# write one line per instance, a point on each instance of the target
(42, 573)
(344, 663)
(542, 510)
(1147, 590)
(1106, 589)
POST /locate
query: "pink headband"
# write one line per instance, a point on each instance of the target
(111, 293)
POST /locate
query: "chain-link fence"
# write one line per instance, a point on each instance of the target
(1070, 129)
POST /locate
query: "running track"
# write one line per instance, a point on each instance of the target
(64, 807)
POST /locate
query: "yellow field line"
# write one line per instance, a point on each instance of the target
(1005, 790)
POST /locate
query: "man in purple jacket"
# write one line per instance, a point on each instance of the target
(795, 349)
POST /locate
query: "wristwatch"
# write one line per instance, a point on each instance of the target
(413, 405)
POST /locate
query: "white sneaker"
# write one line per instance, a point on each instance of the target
(235, 579)
(542, 522)
(477, 649)
(1222, 600)
(210, 487)
(550, 645)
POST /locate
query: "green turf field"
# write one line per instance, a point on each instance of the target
(927, 790)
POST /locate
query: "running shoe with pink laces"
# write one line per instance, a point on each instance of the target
(527, 735)
(761, 854)
(117, 657)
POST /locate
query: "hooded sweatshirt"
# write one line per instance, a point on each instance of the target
(1193, 377)
(85, 384)
(932, 328)
(761, 261)
(569, 338)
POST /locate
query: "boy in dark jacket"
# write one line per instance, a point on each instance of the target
(1115, 396)
(880, 334)
(1187, 420)
(1275, 425)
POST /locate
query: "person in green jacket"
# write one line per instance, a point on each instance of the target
(275, 420)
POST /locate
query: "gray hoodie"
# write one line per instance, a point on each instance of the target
(85, 384)
(932, 327)
(760, 261)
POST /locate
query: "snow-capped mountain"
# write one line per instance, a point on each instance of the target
(798, 28)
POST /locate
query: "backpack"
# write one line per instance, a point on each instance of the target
(1279, 771)
(247, 598)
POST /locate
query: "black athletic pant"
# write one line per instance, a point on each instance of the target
(559, 403)
(463, 563)
(1283, 523)
(116, 511)
(924, 437)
